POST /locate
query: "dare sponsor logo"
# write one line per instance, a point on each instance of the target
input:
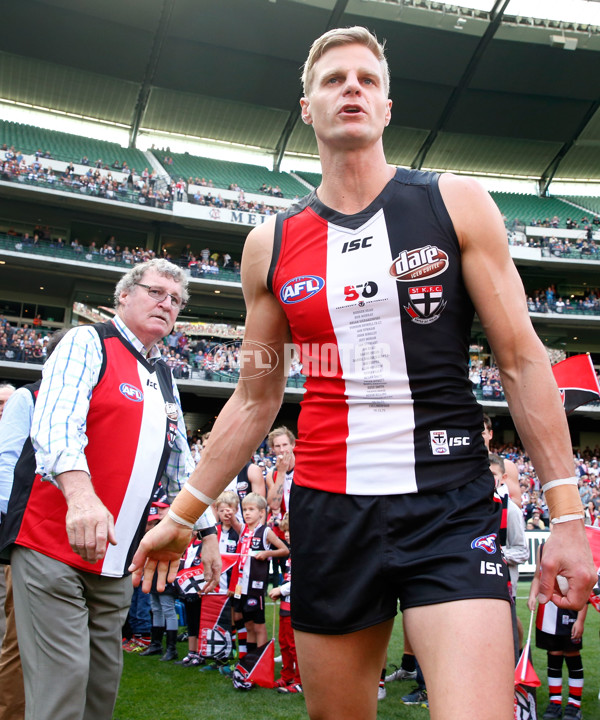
(487, 543)
(131, 392)
(419, 264)
(301, 288)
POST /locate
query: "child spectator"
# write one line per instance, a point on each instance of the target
(192, 600)
(256, 546)
(164, 615)
(289, 682)
(559, 632)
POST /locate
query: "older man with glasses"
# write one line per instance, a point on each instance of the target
(107, 428)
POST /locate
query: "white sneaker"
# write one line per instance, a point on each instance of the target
(277, 659)
(401, 674)
(381, 693)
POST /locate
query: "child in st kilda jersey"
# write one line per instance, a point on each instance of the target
(256, 546)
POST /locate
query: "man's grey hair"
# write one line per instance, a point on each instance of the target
(159, 265)
(7, 386)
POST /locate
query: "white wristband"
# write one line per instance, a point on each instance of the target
(198, 494)
(567, 518)
(560, 481)
(179, 520)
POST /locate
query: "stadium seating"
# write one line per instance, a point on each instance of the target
(63, 146)
(529, 209)
(223, 174)
(591, 203)
(312, 178)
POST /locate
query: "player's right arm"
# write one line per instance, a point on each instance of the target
(244, 421)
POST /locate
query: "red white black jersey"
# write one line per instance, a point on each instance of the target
(250, 575)
(554, 620)
(131, 426)
(242, 486)
(381, 319)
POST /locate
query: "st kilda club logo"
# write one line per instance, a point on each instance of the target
(425, 302)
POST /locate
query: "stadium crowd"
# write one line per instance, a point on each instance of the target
(40, 239)
(133, 187)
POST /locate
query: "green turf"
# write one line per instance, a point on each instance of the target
(154, 690)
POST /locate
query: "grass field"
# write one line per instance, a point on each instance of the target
(163, 691)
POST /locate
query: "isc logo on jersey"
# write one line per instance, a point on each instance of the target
(301, 288)
(425, 262)
(440, 442)
(131, 392)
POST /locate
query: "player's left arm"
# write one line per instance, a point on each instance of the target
(497, 293)
(256, 480)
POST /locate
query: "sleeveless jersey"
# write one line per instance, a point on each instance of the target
(285, 500)
(554, 620)
(131, 426)
(250, 573)
(381, 321)
(242, 486)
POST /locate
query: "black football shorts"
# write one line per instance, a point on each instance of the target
(356, 556)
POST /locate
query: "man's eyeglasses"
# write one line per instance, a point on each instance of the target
(158, 295)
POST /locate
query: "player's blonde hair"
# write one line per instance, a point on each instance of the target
(229, 498)
(255, 499)
(345, 36)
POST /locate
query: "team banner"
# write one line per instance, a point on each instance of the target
(215, 639)
(191, 579)
(256, 668)
(577, 381)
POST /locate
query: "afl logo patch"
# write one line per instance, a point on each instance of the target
(425, 262)
(131, 392)
(487, 543)
(301, 288)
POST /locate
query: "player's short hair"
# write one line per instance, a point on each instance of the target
(255, 499)
(497, 460)
(281, 430)
(487, 422)
(345, 36)
(228, 497)
(162, 267)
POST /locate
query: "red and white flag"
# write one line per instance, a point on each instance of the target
(577, 381)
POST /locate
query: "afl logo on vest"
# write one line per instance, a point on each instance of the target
(425, 262)
(301, 288)
(131, 392)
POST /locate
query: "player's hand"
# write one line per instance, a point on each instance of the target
(262, 555)
(282, 462)
(211, 561)
(90, 526)
(567, 553)
(159, 552)
(275, 593)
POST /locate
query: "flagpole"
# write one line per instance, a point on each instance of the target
(527, 646)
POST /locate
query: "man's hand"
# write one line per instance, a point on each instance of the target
(159, 552)
(90, 526)
(567, 553)
(211, 560)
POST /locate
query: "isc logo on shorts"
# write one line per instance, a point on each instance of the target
(491, 568)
